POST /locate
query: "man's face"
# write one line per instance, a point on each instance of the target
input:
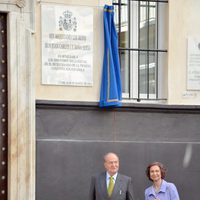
(111, 164)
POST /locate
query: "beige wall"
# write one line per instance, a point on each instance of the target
(69, 93)
(183, 22)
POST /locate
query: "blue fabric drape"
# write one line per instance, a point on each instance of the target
(111, 92)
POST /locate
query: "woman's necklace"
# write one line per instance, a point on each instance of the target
(157, 187)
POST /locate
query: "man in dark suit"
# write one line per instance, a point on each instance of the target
(111, 185)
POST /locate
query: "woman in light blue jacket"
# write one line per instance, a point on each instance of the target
(161, 189)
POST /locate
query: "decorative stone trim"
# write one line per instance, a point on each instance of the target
(21, 120)
(21, 3)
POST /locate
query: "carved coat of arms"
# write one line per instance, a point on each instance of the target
(67, 21)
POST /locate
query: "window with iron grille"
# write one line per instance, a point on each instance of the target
(142, 33)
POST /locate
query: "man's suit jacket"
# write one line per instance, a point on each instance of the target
(123, 189)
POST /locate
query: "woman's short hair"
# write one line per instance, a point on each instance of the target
(160, 165)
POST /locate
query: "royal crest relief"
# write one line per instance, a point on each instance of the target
(67, 21)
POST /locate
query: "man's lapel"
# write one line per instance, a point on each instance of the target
(103, 185)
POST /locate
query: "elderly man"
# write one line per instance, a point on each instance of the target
(111, 185)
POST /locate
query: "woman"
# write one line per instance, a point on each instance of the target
(161, 189)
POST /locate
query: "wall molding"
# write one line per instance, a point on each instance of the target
(134, 107)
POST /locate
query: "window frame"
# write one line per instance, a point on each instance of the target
(134, 53)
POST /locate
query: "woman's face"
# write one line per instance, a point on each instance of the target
(155, 173)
